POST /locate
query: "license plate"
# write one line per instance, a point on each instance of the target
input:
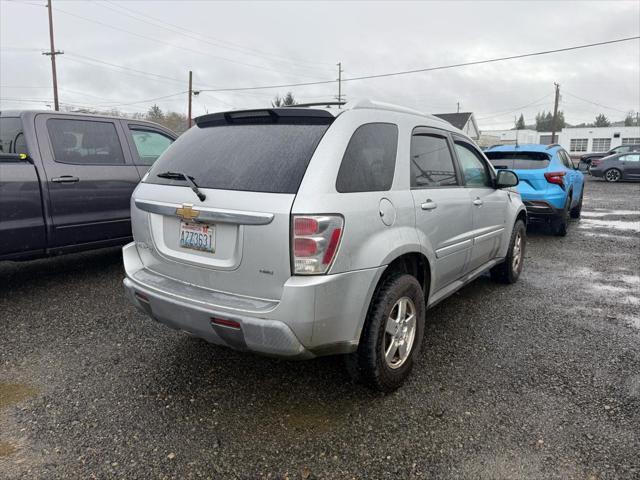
(195, 236)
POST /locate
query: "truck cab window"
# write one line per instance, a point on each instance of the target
(85, 142)
(11, 136)
(149, 145)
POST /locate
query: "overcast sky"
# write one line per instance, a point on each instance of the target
(240, 44)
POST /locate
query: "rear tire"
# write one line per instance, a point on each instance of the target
(391, 336)
(509, 271)
(561, 225)
(612, 175)
(577, 210)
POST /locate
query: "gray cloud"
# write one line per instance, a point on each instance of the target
(289, 42)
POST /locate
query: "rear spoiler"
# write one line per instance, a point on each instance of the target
(265, 116)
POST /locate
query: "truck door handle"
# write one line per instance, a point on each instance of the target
(477, 202)
(65, 179)
(429, 205)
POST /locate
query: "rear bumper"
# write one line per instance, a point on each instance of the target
(541, 211)
(316, 315)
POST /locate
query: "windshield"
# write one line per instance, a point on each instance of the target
(268, 158)
(518, 160)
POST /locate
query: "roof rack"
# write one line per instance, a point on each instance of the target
(551, 145)
(315, 104)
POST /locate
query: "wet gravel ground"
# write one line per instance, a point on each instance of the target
(536, 380)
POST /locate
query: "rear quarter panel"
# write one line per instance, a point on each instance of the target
(367, 242)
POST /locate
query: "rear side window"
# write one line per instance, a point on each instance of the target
(518, 160)
(431, 162)
(270, 158)
(11, 136)
(149, 145)
(369, 161)
(85, 142)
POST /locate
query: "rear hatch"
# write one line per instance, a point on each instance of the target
(248, 166)
(530, 167)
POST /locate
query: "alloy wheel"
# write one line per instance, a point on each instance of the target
(400, 332)
(612, 175)
(517, 252)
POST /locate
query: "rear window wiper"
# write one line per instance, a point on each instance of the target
(186, 178)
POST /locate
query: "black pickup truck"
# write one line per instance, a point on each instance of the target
(66, 179)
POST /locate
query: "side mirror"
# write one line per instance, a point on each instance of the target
(506, 179)
(13, 157)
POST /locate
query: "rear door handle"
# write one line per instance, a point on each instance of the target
(477, 202)
(65, 179)
(429, 205)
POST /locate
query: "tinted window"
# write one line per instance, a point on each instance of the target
(369, 161)
(85, 142)
(630, 158)
(474, 170)
(431, 162)
(518, 160)
(11, 136)
(566, 159)
(259, 158)
(150, 145)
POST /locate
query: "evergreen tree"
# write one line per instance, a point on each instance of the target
(155, 114)
(288, 99)
(520, 125)
(601, 121)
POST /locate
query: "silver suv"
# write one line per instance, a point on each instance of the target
(300, 232)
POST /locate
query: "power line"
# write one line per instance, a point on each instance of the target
(145, 100)
(499, 114)
(181, 31)
(237, 46)
(113, 65)
(261, 67)
(595, 103)
(431, 69)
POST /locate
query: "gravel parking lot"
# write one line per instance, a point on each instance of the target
(536, 380)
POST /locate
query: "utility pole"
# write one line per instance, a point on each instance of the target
(555, 114)
(190, 94)
(53, 52)
(339, 97)
(458, 110)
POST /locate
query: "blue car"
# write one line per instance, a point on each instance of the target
(550, 186)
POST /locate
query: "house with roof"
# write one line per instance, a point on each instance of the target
(464, 121)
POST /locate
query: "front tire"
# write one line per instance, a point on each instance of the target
(509, 271)
(391, 336)
(612, 175)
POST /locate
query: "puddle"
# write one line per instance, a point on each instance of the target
(604, 213)
(11, 393)
(611, 288)
(630, 279)
(608, 235)
(7, 449)
(633, 226)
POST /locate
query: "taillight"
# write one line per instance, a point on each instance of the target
(315, 241)
(555, 177)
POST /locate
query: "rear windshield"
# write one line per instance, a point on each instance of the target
(518, 160)
(269, 158)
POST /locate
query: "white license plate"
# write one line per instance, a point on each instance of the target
(196, 236)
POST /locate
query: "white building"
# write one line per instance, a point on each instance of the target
(576, 140)
(507, 137)
(464, 121)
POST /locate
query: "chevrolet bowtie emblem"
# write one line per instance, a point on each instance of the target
(187, 212)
